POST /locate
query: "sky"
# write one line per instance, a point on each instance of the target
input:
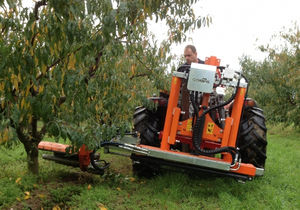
(238, 27)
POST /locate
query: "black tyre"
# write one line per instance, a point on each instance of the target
(252, 139)
(148, 125)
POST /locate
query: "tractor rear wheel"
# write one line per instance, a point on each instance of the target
(252, 139)
(147, 124)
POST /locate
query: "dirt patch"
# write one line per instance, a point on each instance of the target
(57, 190)
(56, 193)
(34, 201)
(78, 178)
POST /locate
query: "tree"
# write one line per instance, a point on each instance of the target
(76, 69)
(275, 81)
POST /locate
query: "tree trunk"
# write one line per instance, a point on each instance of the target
(32, 157)
(31, 141)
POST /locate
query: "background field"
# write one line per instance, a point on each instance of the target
(62, 187)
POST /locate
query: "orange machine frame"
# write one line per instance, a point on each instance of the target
(213, 135)
(83, 152)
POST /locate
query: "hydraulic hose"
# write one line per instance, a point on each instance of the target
(199, 126)
(104, 165)
(100, 169)
(197, 138)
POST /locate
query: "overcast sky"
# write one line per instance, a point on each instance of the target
(238, 27)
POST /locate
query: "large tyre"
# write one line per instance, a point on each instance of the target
(252, 139)
(147, 124)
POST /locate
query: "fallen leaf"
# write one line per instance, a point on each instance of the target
(18, 199)
(26, 197)
(118, 188)
(89, 187)
(101, 206)
(56, 207)
(18, 180)
(41, 196)
(132, 179)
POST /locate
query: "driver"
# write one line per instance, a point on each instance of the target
(190, 55)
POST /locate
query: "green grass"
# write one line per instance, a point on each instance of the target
(68, 187)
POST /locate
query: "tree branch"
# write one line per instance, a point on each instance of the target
(55, 63)
(34, 132)
(94, 67)
(139, 75)
(42, 132)
(21, 136)
(32, 39)
(36, 8)
(98, 57)
(3, 29)
(142, 63)
(4, 9)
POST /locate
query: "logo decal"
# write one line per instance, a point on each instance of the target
(202, 80)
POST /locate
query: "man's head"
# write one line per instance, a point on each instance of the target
(190, 54)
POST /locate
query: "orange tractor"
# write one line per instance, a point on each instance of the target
(192, 128)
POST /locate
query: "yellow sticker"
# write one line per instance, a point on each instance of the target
(189, 125)
(210, 128)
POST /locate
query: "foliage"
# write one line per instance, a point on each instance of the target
(80, 67)
(275, 81)
(67, 187)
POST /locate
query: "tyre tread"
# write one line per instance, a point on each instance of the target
(252, 137)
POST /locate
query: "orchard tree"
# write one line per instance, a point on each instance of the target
(275, 81)
(76, 69)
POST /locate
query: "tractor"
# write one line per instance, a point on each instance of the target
(193, 127)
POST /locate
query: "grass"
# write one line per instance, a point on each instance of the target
(65, 187)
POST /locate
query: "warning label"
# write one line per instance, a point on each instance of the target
(189, 125)
(210, 128)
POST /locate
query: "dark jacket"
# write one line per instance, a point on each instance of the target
(184, 96)
(186, 67)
